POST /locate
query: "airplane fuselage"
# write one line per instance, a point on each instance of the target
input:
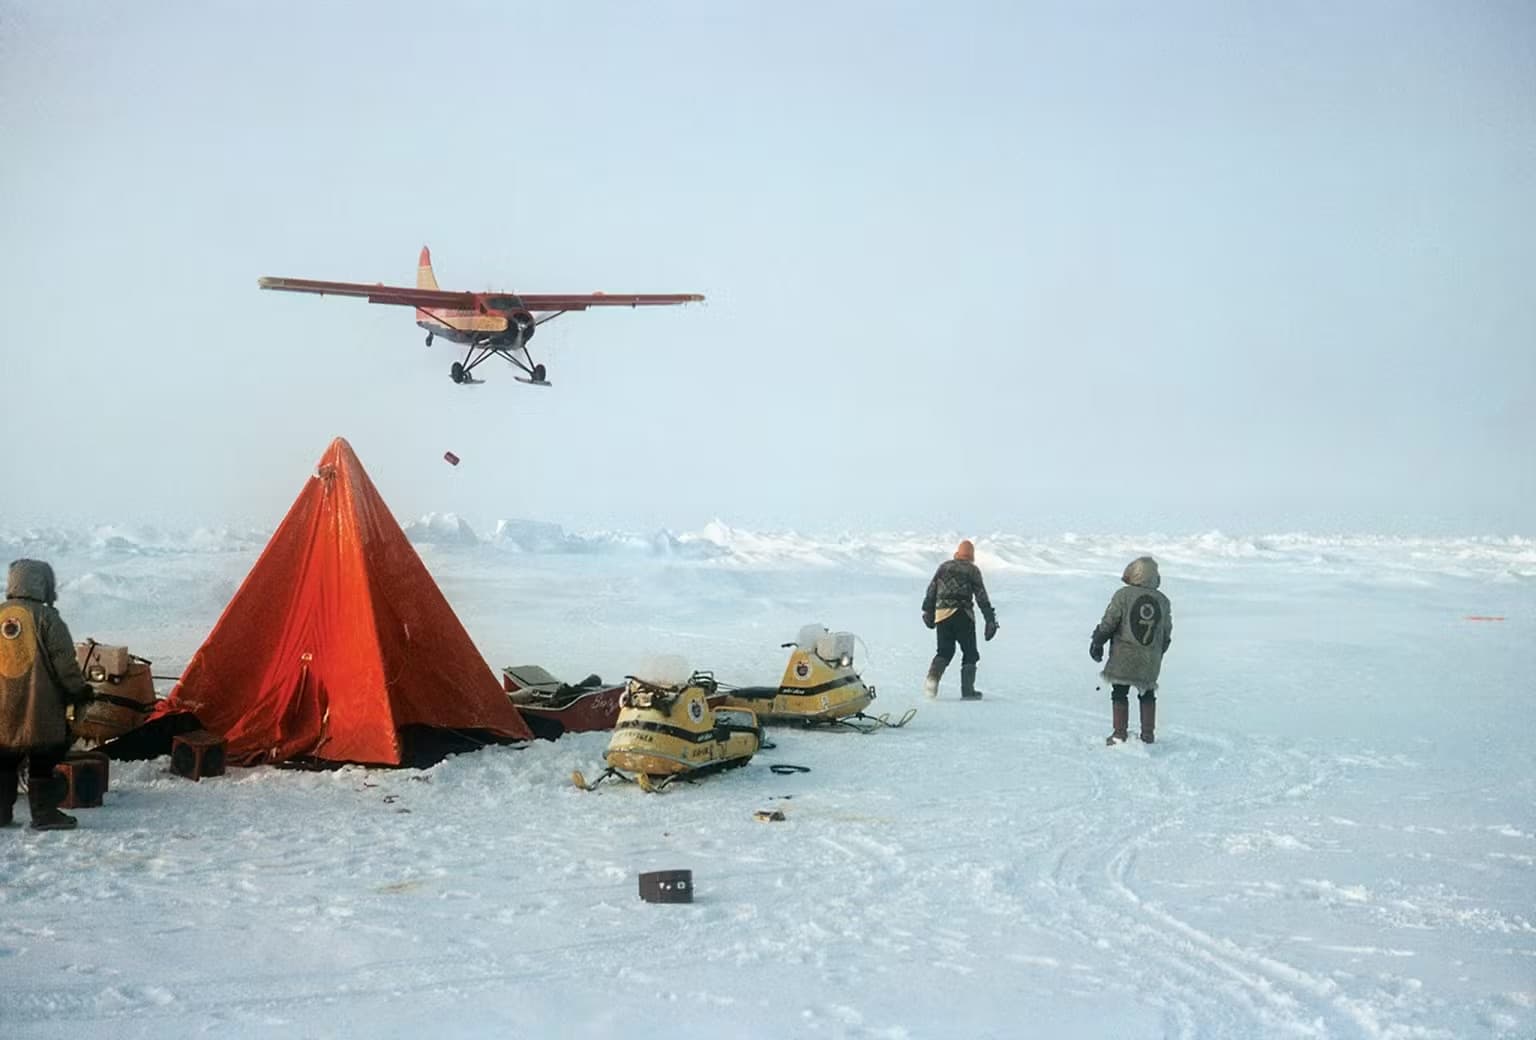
(499, 318)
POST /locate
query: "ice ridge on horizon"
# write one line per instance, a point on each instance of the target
(721, 544)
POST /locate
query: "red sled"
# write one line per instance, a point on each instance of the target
(552, 707)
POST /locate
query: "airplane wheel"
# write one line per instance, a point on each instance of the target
(538, 373)
(456, 373)
(429, 339)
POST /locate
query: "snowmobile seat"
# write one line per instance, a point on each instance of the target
(754, 693)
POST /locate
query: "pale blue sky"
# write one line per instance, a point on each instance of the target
(1037, 267)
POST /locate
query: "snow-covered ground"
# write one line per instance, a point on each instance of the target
(1335, 835)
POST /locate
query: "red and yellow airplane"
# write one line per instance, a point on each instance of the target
(489, 323)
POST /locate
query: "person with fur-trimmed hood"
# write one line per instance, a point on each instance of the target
(39, 678)
(1138, 626)
(947, 609)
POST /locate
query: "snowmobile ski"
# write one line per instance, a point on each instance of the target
(867, 723)
(640, 780)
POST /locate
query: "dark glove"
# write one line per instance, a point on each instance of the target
(991, 630)
(1096, 651)
(928, 618)
(82, 697)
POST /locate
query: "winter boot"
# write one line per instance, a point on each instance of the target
(935, 673)
(1148, 715)
(44, 797)
(968, 690)
(1122, 712)
(8, 784)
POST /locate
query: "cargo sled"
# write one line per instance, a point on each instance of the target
(820, 687)
(123, 692)
(669, 732)
(551, 707)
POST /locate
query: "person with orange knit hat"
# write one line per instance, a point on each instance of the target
(947, 609)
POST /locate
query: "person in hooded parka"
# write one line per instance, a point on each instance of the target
(39, 679)
(1138, 626)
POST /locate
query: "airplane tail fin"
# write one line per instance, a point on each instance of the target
(425, 279)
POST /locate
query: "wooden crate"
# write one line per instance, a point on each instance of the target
(197, 754)
(85, 780)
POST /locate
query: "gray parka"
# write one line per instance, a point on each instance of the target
(38, 673)
(1138, 625)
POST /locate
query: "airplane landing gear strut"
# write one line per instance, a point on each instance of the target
(513, 350)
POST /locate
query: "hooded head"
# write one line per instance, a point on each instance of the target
(1141, 572)
(965, 551)
(30, 579)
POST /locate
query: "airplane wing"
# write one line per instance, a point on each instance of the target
(438, 298)
(392, 294)
(581, 301)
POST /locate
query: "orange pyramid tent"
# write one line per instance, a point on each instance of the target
(339, 641)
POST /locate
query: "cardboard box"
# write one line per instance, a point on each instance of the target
(102, 663)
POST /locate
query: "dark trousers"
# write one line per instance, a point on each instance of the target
(1122, 692)
(40, 764)
(960, 628)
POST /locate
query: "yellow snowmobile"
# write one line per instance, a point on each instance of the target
(668, 732)
(819, 688)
